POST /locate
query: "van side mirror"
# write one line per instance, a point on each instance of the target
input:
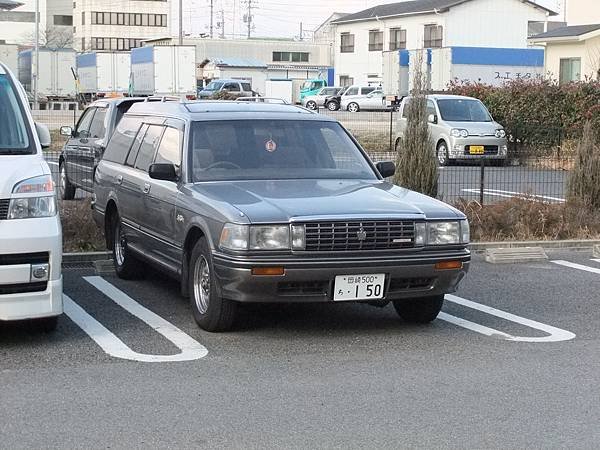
(43, 135)
(386, 168)
(163, 171)
(432, 118)
(66, 131)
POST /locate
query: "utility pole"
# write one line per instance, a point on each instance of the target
(212, 13)
(301, 32)
(35, 73)
(222, 24)
(249, 18)
(180, 22)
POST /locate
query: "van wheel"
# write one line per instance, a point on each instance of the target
(443, 156)
(419, 310)
(126, 266)
(353, 107)
(67, 190)
(211, 312)
(333, 106)
(311, 105)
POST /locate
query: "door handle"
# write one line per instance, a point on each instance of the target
(119, 179)
(146, 188)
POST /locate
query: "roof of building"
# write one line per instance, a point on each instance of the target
(567, 32)
(413, 8)
(9, 4)
(236, 62)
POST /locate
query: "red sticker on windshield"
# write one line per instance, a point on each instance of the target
(270, 146)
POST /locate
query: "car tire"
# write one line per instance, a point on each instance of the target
(397, 145)
(211, 312)
(419, 310)
(333, 106)
(311, 105)
(67, 190)
(126, 265)
(353, 107)
(47, 324)
(442, 154)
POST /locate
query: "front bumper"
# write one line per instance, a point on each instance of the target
(311, 280)
(22, 243)
(459, 146)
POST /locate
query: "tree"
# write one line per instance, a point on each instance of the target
(417, 166)
(584, 180)
(53, 37)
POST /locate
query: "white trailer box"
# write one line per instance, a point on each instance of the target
(164, 70)
(55, 75)
(280, 88)
(104, 73)
(391, 72)
(9, 55)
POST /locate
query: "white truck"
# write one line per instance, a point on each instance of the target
(56, 79)
(164, 70)
(103, 74)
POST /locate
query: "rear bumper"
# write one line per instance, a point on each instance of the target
(308, 281)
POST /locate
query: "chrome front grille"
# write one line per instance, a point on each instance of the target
(359, 236)
(4, 208)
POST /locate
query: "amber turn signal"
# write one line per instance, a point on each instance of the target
(270, 271)
(449, 265)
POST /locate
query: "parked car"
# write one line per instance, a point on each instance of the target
(461, 128)
(257, 202)
(374, 101)
(239, 88)
(318, 101)
(86, 143)
(30, 230)
(333, 103)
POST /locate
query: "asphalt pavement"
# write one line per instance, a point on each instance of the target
(512, 362)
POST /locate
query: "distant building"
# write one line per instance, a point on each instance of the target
(361, 39)
(582, 12)
(118, 24)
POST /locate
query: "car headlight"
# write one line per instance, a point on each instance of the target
(269, 237)
(500, 133)
(262, 237)
(457, 132)
(447, 233)
(234, 237)
(28, 204)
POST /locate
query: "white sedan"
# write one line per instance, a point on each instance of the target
(318, 100)
(375, 101)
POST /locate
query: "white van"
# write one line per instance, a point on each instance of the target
(30, 230)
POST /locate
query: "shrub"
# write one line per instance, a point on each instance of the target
(80, 233)
(584, 179)
(224, 95)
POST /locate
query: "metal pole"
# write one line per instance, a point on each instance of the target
(482, 181)
(212, 13)
(35, 73)
(180, 22)
(391, 129)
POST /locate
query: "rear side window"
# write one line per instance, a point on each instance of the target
(98, 125)
(352, 91)
(148, 147)
(246, 87)
(169, 150)
(367, 90)
(121, 141)
(233, 87)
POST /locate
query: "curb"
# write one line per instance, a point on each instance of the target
(556, 245)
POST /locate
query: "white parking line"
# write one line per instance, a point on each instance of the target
(111, 344)
(52, 162)
(595, 260)
(511, 194)
(554, 334)
(577, 266)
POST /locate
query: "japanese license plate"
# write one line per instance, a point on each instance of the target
(359, 287)
(476, 150)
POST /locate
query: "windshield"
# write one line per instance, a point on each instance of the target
(274, 150)
(329, 91)
(14, 138)
(461, 110)
(214, 86)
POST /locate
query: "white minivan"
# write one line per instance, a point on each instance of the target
(30, 229)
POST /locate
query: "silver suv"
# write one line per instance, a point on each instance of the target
(461, 128)
(257, 202)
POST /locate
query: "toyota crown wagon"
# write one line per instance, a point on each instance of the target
(249, 202)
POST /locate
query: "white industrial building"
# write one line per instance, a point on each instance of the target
(363, 38)
(118, 25)
(17, 26)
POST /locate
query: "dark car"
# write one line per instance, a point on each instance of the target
(84, 148)
(257, 202)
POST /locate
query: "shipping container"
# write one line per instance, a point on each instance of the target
(280, 88)
(56, 80)
(104, 73)
(163, 70)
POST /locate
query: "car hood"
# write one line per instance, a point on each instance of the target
(477, 128)
(284, 200)
(16, 168)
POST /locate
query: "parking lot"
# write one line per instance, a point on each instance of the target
(512, 362)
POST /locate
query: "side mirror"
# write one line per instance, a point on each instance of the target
(66, 131)
(432, 118)
(386, 168)
(163, 171)
(43, 135)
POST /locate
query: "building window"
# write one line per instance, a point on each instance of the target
(534, 28)
(434, 35)
(82, 18)
(17, 16)
(347, 43)
(290, 57)
(65, 21)
(397, 39)
(345, 80)
(129, 19)
(570, 70)
(375, 40)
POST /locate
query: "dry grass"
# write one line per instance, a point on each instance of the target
(524, 220)
(373, 141)
(80, 233)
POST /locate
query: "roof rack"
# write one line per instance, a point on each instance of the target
(263, 100)
(163, 98)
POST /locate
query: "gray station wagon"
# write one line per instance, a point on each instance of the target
(255, 202)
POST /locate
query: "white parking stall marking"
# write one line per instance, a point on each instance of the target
(511, 194)
(554, 334)
(111, 344)
(577, 266)
(596, 260)
(52, 162)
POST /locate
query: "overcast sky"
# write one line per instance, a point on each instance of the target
(273, 18)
